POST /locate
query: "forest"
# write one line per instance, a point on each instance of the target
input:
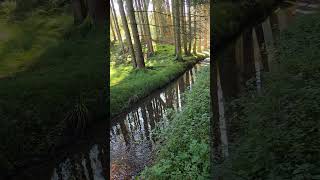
(155, 49)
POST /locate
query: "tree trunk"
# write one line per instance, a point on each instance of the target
(135, 34)
(97, 11)
(174, 25)
(140, 20)
(127, 33)
(189, 19)
(112, 30)
(156, 21)
(178, 35)
(78, 14)
(195, 30)
(147, 28)
(184, 24)
(115, 20)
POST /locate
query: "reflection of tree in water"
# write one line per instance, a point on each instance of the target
(91, 164)
(238, 62)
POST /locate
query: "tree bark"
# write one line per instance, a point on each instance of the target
(135, 34)
(97, 11)
(127, 33)
(147, 28)
(195, 30)
(115, 20)
(178, 35)
(174, 25)
(78, 14)
(189, 19)
(112, 29)
(184, 24)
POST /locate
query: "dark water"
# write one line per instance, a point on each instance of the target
(248, 56)
(132, 141)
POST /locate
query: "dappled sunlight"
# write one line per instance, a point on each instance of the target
(19, 51)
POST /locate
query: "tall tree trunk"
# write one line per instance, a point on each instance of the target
(178, 35)
(145, 4)
(195, 30)
(127, 32)
(97, 11)
(200, 30)
(78, 14)
(174, 24)
(115, 20)
(135, 34)
(156, 21)
(184, 24)
(112, 30)
(189, 19)
(140, 20)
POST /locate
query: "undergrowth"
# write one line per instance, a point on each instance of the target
(280, 130)
(184, 153)
(46, 65)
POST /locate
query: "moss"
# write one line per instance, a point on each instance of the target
(128, 85)
(43, 73)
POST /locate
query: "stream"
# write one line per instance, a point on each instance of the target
(132, 140)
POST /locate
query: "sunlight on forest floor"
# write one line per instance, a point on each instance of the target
(127, 85)
(19, 51)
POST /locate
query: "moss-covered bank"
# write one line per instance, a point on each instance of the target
(49, 70)
(128, 85)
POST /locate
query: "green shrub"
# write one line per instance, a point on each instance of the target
(184, 153)
(280, 130)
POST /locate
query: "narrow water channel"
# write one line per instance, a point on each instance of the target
(132, 133)
(247, 57)
(132, 141)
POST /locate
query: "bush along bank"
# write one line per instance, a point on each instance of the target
(184, 153)
(280, 129)
(229, 17)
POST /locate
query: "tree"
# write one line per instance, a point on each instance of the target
(195, 30)
(189, 22)
(79, 13)
(184, 25)
(177, 30)
(116, 24)
(95, 10)
(144, 5)
(127, 32)
(112, 30)
(135, 34)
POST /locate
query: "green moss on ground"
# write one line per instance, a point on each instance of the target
(46, 65)
(128, 85)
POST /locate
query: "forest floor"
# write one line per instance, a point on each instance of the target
(280, 128)
(46, 66)
(184, 152)
(128, 85)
